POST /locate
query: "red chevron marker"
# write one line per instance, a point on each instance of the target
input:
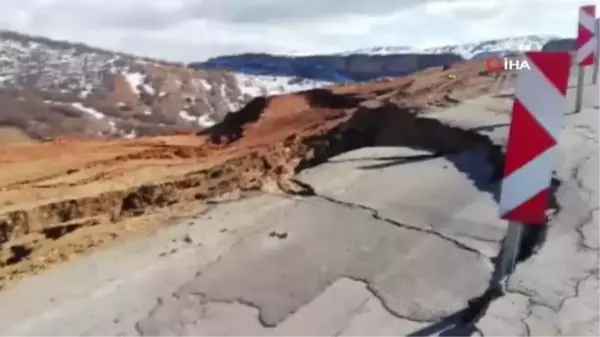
(534, 128)
(586, 40)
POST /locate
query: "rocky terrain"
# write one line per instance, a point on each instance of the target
(63, 198)
(55, 88)
(374, 62)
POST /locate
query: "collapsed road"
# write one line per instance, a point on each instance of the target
(388, 239)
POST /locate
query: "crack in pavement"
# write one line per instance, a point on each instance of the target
(174, 294)
(384, 303)
(381, 300)
(308, 190)
(205, 299)
(581, 244)
(529, 313)
(576, 173)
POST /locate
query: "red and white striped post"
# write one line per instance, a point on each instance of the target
(534, 130)
(586, 45)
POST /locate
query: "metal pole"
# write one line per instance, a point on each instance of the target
(579, 97)
(508, 254)
(597, 54)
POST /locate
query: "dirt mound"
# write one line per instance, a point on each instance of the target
(283, 108)
(64, 197)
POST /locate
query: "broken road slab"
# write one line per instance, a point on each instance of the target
(327, 241)
(461, 207)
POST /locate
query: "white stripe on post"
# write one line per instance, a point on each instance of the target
(587, 20)
(532, 85)
(527, 181)
(588, 48)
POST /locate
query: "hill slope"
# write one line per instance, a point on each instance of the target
(50, 88)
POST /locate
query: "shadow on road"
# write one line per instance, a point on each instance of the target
(504, 96)
(400, 160)
(595, 107)
(490, 127)
(386, 158)
(451, 325)
(483, 167)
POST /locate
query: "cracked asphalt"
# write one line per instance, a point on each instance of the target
(375, 246)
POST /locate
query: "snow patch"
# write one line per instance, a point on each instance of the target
(148, 89)
(128, 135)
(206, 85)
(204, 121)
(87, 90)
(93, 112)
(201, 83)
(186, 116)
(113, 126)
(265, 85)
(230, 105)
(135, 80)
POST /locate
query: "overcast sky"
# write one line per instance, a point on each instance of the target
(193, 30)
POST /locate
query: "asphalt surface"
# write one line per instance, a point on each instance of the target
(386, 245)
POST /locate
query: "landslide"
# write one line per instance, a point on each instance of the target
(62, 198)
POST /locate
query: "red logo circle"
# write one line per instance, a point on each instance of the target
(494, 64)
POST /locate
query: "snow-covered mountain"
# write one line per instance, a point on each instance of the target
(52, 87)
(389, 50)
(373, 62)
(485, 48)
(468, 50)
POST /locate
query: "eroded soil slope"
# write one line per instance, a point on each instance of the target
(61, 198)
